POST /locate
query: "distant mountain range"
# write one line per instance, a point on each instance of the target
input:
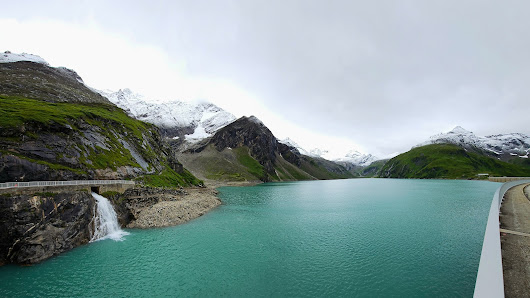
(352, 158)
(53, 126)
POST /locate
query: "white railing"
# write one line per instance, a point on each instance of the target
(490, 281)
(61, 183)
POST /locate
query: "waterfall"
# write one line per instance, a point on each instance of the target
(105, 221)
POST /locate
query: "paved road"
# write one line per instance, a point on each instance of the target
(515, 243)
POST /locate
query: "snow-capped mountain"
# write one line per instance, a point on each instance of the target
(353, 157)
(503, 146)
(177, 119)
(8, 57)
(357, 158)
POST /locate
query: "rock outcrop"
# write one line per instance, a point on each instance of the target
(36, 227)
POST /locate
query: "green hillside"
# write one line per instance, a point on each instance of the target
(449, 162)
(62, 141)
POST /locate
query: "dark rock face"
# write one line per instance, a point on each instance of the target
(250, 132)
(39, 81)
(290, 154)
(36, 227)
(13, 168)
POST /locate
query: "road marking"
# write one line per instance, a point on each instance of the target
(514, 232)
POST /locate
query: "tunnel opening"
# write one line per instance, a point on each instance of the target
(95, 189)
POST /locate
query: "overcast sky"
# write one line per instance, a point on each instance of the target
(377, 76)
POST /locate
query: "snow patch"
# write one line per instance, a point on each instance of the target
(203, 117)
(500, 144)
(8, 57)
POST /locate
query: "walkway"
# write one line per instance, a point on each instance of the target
(515, 242)
(62, 183)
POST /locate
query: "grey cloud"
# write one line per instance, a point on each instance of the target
(386, 74)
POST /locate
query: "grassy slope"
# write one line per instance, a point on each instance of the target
(373, 169)
(238, 165)
(287, 171)
(317, 168)
(224, 165)
(447, 161)
(16, 113)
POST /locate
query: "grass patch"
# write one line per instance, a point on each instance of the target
(252, 165)
(169, 178)
(109, 194)
(17, 111)
(45, 194)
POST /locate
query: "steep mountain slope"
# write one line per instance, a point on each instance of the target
(502, 146)
(177, 120)
(447, 161)
(246, 150)
(53, 127)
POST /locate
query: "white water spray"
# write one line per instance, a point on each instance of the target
(105, 221)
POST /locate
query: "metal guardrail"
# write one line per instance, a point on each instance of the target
(62, 183)
(490, 279)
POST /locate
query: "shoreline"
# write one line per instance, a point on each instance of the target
(155, 208)
(170, 208)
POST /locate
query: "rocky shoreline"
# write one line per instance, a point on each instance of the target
(152, 208)
(38, 225)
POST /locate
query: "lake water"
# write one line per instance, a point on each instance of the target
(360, 237)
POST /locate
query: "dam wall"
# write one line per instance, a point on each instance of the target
(490, 280)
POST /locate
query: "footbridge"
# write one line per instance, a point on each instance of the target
(97, 186)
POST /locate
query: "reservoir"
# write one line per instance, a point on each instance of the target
(357, 237)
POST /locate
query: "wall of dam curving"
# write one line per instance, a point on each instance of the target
(490, 281)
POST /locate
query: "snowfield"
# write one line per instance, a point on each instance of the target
(203, 118)
(8, 57)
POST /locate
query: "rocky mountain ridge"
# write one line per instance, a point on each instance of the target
(246, 150)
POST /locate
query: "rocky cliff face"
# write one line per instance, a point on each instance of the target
(36, 227)
(90, 145)
(252, 133)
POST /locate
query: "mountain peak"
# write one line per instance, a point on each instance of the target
(460, 130)
(255, 120)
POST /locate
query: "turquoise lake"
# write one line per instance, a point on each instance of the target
(355, 238)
